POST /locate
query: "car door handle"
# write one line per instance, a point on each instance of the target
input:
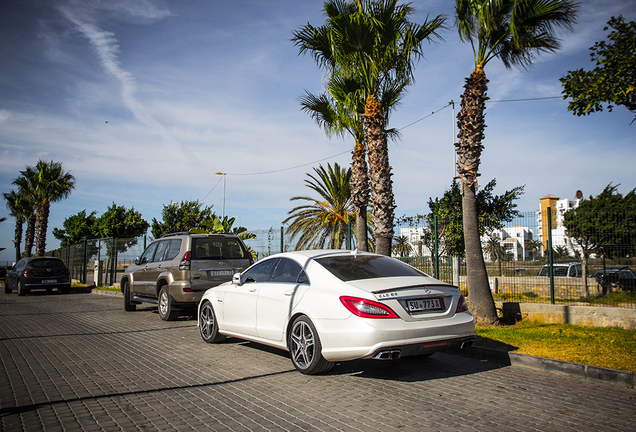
(288, 293)
(252, 289)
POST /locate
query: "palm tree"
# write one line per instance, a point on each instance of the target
(374, 43)
(324, 221)
(21, 209)
(26, 190)
(511, 30)
(45, 183)
(338, 111)
(402, 246)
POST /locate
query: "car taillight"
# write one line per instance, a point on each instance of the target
(185, 262)
(29, 272)
(461, 304)
(367, 308)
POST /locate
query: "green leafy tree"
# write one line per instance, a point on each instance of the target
(613, 80)
(122, 224)
(22, 209)
(493, 212)
(225, 225)
(45, 183)
(375, 44)
(511, 30)
(186, 216)
(324, 220)
(603, 225)
(76, 228)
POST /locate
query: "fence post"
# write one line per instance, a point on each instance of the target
(113, 279)
(84, 259)
(436, 256)
(550, 259)
(348, 235)
(282, 238)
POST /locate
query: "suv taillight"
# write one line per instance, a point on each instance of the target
(28, 272)
(185, 262)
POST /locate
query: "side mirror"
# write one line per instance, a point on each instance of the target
(137, 262)
(236, 279)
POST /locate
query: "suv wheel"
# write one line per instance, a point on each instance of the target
(166, 311)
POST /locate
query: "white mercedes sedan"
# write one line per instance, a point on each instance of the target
(326, 306)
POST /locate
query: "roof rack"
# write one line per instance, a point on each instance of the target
(175, 234)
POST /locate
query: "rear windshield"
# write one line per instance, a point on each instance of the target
(557, 270)
(47, 263)
(217, 248)
(352, 267)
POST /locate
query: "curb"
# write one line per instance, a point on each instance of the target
(521, 360)
(549, 365)
(106, 293)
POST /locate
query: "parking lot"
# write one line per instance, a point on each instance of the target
(79, 362)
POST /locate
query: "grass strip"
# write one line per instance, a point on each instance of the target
(609, 347)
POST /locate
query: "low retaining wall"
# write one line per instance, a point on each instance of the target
(569, 314)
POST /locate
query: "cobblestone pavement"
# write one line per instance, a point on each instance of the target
(78, 362)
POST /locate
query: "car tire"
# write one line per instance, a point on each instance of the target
(208, 325)
(21, 289)
(305, 348)
(128, 305)
(7, 290)
(164, 305)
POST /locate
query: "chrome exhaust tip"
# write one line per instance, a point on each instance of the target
(388, 355)
(467, 344)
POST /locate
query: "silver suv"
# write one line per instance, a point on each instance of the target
(175, 270)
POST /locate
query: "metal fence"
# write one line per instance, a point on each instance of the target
(521, 265)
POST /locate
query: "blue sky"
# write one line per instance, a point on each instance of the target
(143, 101)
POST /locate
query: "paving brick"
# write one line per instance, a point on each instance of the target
(79, 362)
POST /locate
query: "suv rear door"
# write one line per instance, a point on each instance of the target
(215, 259)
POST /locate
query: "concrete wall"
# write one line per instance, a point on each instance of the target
(568, 314)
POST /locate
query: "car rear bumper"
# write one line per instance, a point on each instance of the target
(369, 338)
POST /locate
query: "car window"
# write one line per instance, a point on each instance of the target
(560, 271)
(148, 253)
(47, 263)
(217, 248)
(287, 271)
(259, 272)
(173, 250)
(355, 267)
(161, 251)
(627, 274)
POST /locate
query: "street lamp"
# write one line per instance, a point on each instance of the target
(224, 177)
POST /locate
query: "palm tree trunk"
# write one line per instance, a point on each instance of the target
(380, 175)
(471, 133)
(29, 235)
(17, 239)
(41, 225)
(359, 184)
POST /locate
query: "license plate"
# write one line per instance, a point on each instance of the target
(49, 281)
(220, 273)
(419, 305)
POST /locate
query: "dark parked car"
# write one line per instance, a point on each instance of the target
(616, 278)
(38, 273)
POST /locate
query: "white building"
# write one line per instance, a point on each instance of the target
(515, 241)
(558, 207)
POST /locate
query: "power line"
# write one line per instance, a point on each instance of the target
(400, 129)
(528, 99)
